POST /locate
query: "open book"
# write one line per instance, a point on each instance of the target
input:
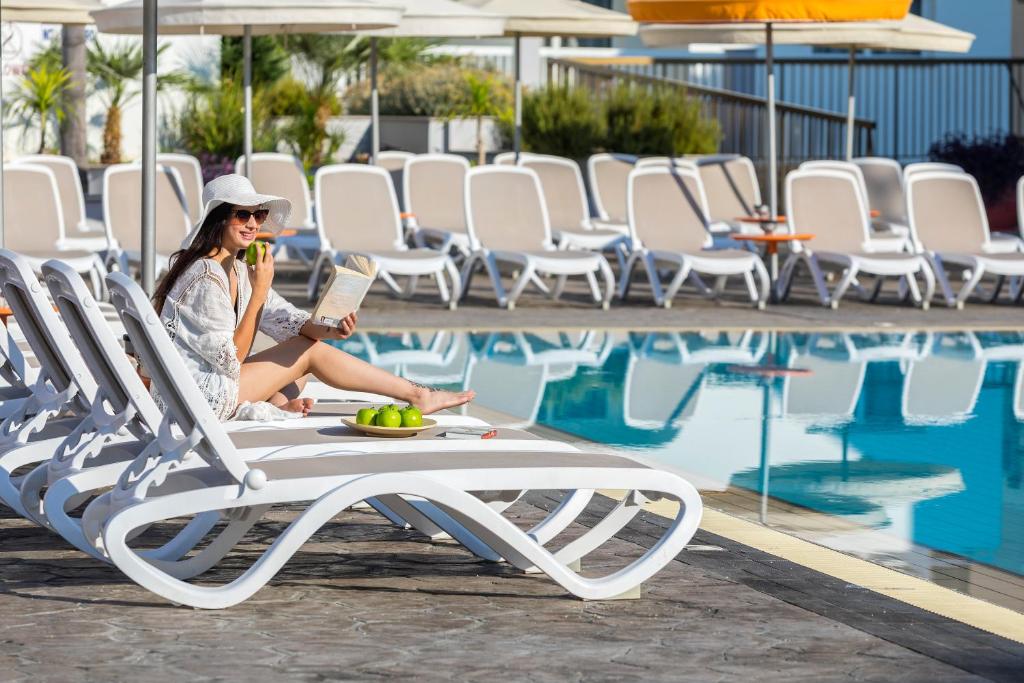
(344, 291)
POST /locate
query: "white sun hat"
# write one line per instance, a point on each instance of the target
(237, 190)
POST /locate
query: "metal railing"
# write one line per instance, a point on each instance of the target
(914, 101)
(804, 132)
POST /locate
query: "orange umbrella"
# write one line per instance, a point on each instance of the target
(767, 12)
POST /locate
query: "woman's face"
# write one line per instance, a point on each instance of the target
(243, 224)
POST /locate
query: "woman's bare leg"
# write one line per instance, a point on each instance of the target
(266, 372)
(288, 398)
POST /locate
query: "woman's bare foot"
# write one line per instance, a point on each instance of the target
(298, 405)
(431, 400)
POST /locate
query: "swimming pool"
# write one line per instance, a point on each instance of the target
(912, 443)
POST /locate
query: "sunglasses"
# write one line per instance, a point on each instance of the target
(243, 215)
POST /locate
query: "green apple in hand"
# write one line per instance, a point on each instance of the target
(366, 416)
(253, 253)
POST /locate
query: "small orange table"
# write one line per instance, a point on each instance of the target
(771, 248)
(5, 313)
(270, 236)
(767, 223)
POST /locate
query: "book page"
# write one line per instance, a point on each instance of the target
(344, 291)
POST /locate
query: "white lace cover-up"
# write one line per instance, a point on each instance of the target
(201, 322)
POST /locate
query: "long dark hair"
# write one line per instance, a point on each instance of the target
(207, 240)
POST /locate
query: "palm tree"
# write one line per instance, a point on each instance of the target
(479, 99)
(41, 95)
(118, 71)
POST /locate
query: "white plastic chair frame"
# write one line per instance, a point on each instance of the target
(191, 180)
(851, 264)
(117, 256)
(63, 385)
(604, 218)
(74, 475)
(169, 481)
(446, 238)
(985, 261)
(387, 266)
(546, 260)
(79, 252)
(587, 236)
(84, 234)
(686, 264)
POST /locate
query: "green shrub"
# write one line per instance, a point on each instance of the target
(562, 121)
(213, 121)
(644, 120)
(434, 89)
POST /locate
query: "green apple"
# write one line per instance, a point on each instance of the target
(366, 416)
(389, 418)
(252, 253)
(411, 417)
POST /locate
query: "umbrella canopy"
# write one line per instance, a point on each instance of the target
(222, 17)
(557, 18)
(427, 19)
(230, 17)
(50, 11)
(910, 33)
(543, 18)
(772, 14)
(442, 19)
(698, 11)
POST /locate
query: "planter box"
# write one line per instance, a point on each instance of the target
(417, 134)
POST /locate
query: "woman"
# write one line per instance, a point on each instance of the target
(212, 304)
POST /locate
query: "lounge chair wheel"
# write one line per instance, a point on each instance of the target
(925, 305)
(510, 306)
(667, 303)
(834, 305)
(959, 305)
(605, 305)
(761, 305)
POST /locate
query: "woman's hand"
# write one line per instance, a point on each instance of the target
(347, 326)
(261, 275)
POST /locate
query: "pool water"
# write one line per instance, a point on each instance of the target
(910, 440)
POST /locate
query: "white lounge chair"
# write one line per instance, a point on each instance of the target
(732, 190)
(201, 472)
(949, 227)
(883, 180)
(668, 228)
(508, 223)
(506, 158)
(79, 467)
(566, 199)
(831, 387)
(82, 232)
(34, 221)
(393, 161)
(884, 237)
(191, 175)
(910, 170)
(608, 175)
(832, 206)
(661, 389)
(433, 187)
(282, 175)
(357, 213)
(122, 197)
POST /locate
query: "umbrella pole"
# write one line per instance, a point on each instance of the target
(247, 84)
(773, 192)
(149, 15)
(517, 142)
(374, 104)
(851, 105)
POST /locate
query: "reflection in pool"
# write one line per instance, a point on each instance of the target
(918, 437)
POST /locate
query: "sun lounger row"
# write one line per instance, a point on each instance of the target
(88, 455)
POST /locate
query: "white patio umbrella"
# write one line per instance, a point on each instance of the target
(39, 12)
(427, 19)
(910, 33)
(229, 18)
(545, 18)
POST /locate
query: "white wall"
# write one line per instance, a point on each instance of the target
(22, 41)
